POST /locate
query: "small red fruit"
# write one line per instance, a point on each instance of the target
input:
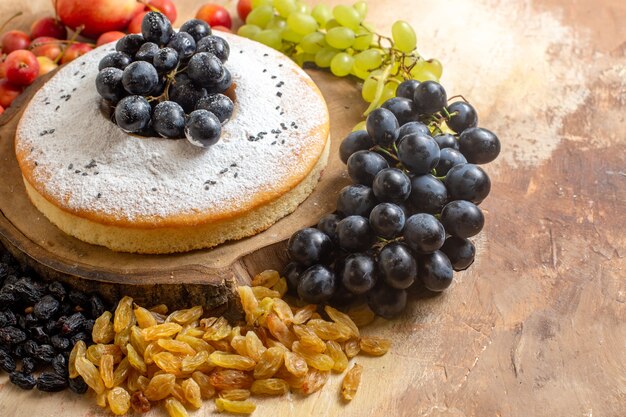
(46, 46)
(215, 15)
(46, 65)
(221, 28)
(8, 92)
(48, 26)
(3, 70)
(109, 37)
(164, 6)
(14, 40)
(1, 110)
(135, 24)
(244, 7)
(74, 51)
(22, 67)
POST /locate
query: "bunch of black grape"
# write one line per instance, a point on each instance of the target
(413, 204)
(169, 84)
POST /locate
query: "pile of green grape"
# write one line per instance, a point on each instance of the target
(338, 38)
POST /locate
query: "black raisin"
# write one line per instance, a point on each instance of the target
(78, 385)
(57, 290)
(39, 335)
(97, 306)
(66, 310)
(4, 270)
(80, 336)
(89, 326)
(19, 351)
(73, 324)
(7, 363)
(60, 343)
(45, 353)
(51, 382)
(7, 294)
(11, 279)
(24, 381)
(28, 291)
(59, 365)
(52, 327)
(30, 321)
(79, 298)
(28, 365)
(10, 336)
(30, 347)
(46, 308)
(7, 318)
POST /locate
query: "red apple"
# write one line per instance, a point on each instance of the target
(46, 46)
(1, 110)
(8, 92)
(244, 7)
(48, 26)
(22, 67)
(215, 15)
(46, 65)
(108, 37)
(97, 16)
(135, 25)
(164, 6)
(14, 40)
(74, 51)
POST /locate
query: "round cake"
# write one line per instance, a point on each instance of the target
(152, 195)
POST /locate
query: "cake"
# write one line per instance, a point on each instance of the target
(153, 195)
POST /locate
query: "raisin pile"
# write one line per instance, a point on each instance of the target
(40, 323)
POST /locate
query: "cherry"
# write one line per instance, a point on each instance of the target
(135, 24)
(48, 26)
(166, 7)
(244, 7)
(46, 65)
(108, 37)
(14, 40)
(215, 15)
(22, 67)
(8, 92)
(74, 51)
(46, 46)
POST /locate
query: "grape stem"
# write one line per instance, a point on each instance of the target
(379, 148)
(458, 96)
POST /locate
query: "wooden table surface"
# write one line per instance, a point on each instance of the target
(537, 326)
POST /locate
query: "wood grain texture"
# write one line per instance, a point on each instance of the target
(536, 327)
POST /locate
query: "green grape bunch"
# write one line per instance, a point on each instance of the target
(339, 39)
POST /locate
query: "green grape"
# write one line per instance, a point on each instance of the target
(369, 60)
(359, 73)
(302, 57)
(389, 91)
(303, 8)
(301, 23)
(277, 23)
(347, 16)
(421, 72)
(313, 42)
(248, 31)
(331, 24)
(322, 14)
(341, 64)
(258, 3)
(285, 7)
(324, 56)
(368, 92)
(340, 37)
(260, 16)
(270, 38)
(403, 36)
(363, 39)
(361, 8)
(434, 66)
(359, 126)
(291, 36)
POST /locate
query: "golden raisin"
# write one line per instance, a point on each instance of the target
(270, 386)
(120, 373)
(235, 394)
(295, 382)
(266, 278)
(352, 348)
(333, 349)
(101, 399)
(178, 393)
(191, 390)
(283, 311)
(175, 408)
(159, 309)
(261, 292)
(186, 316)
(204, 382)
(161, 331)
(316, 360)
(119, 401)
(342, 318)
(279, 330)
(139, 402)
(314, 381)
(351, 382)
(231, 361)
(295, 364)
(79, 350)
(254, 346)
(326, 330)
(304, 314)
(239, 407)
(308, 339)
(94, 353)
(269, 363)
(361, 314)
(151, 350)
(176, 346)
(218, 330)
(168, 362)
(121, 339)
(160, 387)
(192, 363)
(195, 342)
(124, 317)
(375, 346)
(137, 340)
(230, 378)
(103, 329)
(135, 360)
(238, 343)
(90, 374)
(144, 317)
(106, 370)
(249, 303)
(281, 287)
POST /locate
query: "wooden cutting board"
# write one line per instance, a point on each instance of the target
(536, 327)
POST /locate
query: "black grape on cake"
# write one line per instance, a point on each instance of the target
(169, 84)
(414, 203)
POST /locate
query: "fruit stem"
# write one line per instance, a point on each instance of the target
(9, 19)
(458, 96)
(71, 41)
(379, 148)
(380, 87)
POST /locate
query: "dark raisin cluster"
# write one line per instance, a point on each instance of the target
(40, 323)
